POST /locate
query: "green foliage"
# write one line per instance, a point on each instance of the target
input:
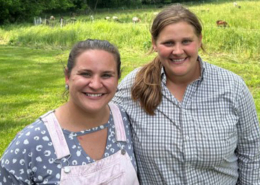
(239, 38)
(65, 37)
(24, 10)
(20, 10)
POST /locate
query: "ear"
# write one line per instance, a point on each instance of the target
(66, 80)
(154, 45)
(66, 73)
(200, 40)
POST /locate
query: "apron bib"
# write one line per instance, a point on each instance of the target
(116, 169)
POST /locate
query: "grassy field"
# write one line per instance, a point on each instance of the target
(32, 57)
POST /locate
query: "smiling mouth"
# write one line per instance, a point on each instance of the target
(93, 95)
(178, 61)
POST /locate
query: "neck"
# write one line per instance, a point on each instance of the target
(75, 119)
(185, 80)
(178, 84)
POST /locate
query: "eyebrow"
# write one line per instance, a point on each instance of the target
(172, 40)
(87, 70)
(188, 38)
(84, 70)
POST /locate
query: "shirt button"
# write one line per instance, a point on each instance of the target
(187, 138)
(66, 169)
(123, 151)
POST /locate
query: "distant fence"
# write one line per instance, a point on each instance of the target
(37, 20)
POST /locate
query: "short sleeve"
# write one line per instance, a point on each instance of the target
(14, 165)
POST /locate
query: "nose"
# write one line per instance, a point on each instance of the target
(95, 83)
(177, 49)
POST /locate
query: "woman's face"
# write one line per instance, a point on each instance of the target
(93, 80)
(177, 46)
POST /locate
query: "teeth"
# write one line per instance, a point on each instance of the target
(94, 95)
(178, 60)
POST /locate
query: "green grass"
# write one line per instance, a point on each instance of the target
(30, 84)
(239, 38)
(32, 57)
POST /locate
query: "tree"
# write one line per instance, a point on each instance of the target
(19, 10)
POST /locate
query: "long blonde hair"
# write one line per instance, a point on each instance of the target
(147, 88)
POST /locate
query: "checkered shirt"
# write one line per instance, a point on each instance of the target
(212, 137)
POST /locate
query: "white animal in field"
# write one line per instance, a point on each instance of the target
(115, 18)
(107, 18)
(136, 19)
(236, 5)
(92, 18)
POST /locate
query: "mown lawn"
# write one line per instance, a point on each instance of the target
(30, 84)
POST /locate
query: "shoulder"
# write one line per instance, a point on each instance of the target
(123, 94)
(128, 80)
(29, 140)
(218, 74)
(30, 133)
(30, 149)
(24, 149)
(122, 112)
(225, 82)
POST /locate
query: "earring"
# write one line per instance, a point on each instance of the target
(66, 86)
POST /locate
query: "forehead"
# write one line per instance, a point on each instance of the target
(179, 29)
(95, 59)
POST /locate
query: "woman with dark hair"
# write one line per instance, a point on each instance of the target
(85, 141)
(192, 122)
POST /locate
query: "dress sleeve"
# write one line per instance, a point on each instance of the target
(7, 178)
(248, 150)
(14, 167)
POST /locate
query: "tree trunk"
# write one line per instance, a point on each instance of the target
(96, 5)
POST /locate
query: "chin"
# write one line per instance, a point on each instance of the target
(95, 108)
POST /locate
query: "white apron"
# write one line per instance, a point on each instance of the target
(116, 169)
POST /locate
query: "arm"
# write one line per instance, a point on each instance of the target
(14, 164)
(13, 167)
(8, 178)
(248, 150)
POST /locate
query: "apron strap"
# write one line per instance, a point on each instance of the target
(118, 121)
(56, 134)
(58, 139)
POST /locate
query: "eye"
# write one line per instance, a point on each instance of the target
(106, 75)
(186, 42)
(168, 43)
(86, 74)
